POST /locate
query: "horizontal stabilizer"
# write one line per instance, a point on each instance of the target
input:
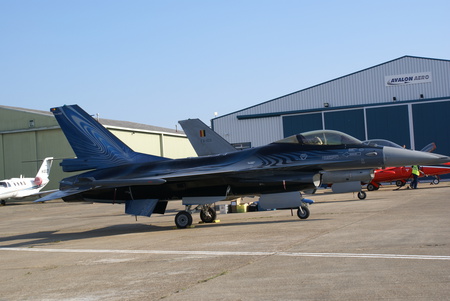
(61, 194)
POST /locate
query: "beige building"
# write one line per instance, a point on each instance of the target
(28, 136)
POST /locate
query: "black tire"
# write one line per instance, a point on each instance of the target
(183, 219)
(371, 187)
(400, 183)
(210, 217)
(435, 181)
(303, 212)
(362, 195)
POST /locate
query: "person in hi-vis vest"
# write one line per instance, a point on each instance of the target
(415, 173)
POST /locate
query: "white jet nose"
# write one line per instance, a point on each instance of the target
(394, 156)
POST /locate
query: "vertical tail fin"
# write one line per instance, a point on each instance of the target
(203, 139)
(43, 173)
(94, 146)
(44, 170)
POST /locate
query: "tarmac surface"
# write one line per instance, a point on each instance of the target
(394, 245)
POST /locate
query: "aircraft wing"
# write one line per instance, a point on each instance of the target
(85, 184)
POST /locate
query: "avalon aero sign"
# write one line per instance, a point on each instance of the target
(407, 79)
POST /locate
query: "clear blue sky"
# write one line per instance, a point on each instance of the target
(157, 62)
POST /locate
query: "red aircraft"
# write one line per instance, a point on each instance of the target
(401, 175)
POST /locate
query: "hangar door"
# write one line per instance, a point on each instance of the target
(348, 121)
(390, 123)
(17, 148)
(301, 123)
(431, 125)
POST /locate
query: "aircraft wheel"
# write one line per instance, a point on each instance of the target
(435, 181)
(3, 202)
(399, 183)
(362, 195)
(371, 187)
(303, 212)
(183, 219)
(208, 217)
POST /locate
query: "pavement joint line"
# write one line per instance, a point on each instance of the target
(230, 253)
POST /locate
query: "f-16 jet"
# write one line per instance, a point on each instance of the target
(207, 142)
(114, 173)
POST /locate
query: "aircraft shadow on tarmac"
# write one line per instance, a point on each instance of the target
(54, 237)
(49, 238)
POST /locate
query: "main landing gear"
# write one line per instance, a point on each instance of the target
(373, 186)
(435, 181)
(303, 210)
(183, 219)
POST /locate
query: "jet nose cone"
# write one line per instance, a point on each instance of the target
(400, 157)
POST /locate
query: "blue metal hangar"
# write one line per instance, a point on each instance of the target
(406, 100)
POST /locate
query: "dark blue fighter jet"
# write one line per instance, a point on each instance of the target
(275, 172)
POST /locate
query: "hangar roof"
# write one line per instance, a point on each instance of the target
(266, 109)
(106, 122)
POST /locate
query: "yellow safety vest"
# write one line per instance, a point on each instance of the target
(415, 170)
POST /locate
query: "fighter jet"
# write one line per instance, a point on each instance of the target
(145, 183)
(207, 142)
(21, 187)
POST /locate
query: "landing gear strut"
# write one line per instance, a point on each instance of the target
(183, 219)
(303, 210)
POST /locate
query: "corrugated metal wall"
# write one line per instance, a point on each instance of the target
(263, 123)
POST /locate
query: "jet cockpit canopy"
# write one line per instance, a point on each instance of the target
(381, 142)
(321, 137)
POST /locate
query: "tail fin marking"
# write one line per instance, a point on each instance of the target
(203, 139)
